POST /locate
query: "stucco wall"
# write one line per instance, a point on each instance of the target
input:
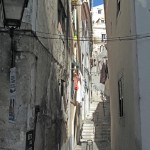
(40, 65)
(125, 131)
(143, 28)
(38, 77)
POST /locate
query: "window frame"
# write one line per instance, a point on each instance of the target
(99, 10)
(118, 7)
(104, 37)
(120, 97)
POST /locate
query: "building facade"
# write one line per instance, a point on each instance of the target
(80, 67)
(35, 97)
(42, 93)
(86, 50)
(128, 54)
(99, 54)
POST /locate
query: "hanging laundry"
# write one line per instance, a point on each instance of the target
(75, 79)
(100, 63)
(104, 73)
(107, 69)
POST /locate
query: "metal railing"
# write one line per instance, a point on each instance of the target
(89, 145)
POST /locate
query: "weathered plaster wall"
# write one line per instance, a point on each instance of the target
(125, 131)
(142, 15)
(38, 77)
(40, 66)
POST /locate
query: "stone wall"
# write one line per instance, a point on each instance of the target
(42, 61)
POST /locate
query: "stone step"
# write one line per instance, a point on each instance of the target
(102, 137)
(88, 128)
(88, 125)
(100, 130)
(100, 125)
(88, 135)
(88, 131)
(89, 117)
(87, 121)
(85, 140)
(78, 148)
(91, 111)
(94, 104)
(90, 114)
(103, 130)
(96, 139)
(102, 134)
(93, 107)
(101, 140)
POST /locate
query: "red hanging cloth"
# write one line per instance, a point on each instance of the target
(75, 79)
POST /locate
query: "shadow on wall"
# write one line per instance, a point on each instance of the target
(102, 121)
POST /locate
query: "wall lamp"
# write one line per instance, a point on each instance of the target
(12, 17)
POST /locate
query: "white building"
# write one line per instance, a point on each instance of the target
(98, 21)
(86, 48)
(99, 54)
(128, 28)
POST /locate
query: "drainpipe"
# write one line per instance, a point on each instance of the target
(37, 110)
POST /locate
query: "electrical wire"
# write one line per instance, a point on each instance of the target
(60, 36)
(45, 48)
(125, 38)
(120, 38)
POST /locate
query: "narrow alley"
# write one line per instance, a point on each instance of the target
(95, 133)
(54, 91)
(74, 74)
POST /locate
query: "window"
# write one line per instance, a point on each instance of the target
(120, 95)
(99, 11)
(104, 37)
(118, 7)
(102, 21)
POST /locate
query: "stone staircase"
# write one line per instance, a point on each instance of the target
(97, 127)
(93, 107)
(88, 131)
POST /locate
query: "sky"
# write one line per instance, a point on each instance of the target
(97, 2)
